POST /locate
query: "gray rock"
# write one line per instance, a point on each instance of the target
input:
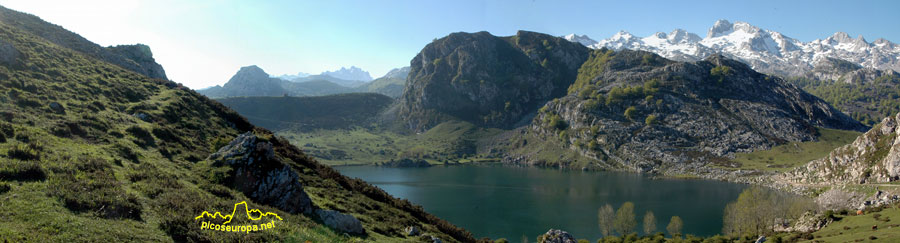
(143, 116)
(260, 176)
(412, 231)
(57, 107)
(341, 222)
(872, 158)
(8, 53)
(761, 239)
(557, 236)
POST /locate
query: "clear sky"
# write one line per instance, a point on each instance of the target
(203, 42)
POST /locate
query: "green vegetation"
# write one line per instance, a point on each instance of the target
(866, 101)
(787, 156)
(594, 66)
(755, 210)
(339, 111)
(649, 223)
(625, 222)
(650, 120)
(451, 142)
(859, 228)
(720, 73)
(605, 217)
(630, 113)
(93, 152)
(675, 226)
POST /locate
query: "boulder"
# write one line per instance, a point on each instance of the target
(341, 222)
(8, 53)
(412, 231)
(557, 236)
(259, 175)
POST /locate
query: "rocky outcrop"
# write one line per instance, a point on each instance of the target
(636, 111)
(487, 80)
(808, 222)
(260, 176)
(8, 53)
(873, 157)
(556, 236)
(341, 222)
(142, 63)
(139, 58)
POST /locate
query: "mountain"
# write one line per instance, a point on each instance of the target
(637, 111)
(867, 94)
(248, 81)
(487, 80)
(764, 50)
(253, 81)
(89, 143)
(340, 111)
(290, 77)
(580, 39)
(136, 58)
(873, 157)
(323, 77)
(353, 73)
(391, 84)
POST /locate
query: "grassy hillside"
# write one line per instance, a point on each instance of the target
(789, 155)
(92, 152)
(310, 113)
(452, 141)
(867, 102)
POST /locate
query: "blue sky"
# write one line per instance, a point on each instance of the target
(203, 42)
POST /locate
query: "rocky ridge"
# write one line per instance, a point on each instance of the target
(765, 50)
(487, 80)
(636, 111)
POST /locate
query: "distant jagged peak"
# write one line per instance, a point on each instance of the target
(397, 73)
(352, 73)
(721, 27)
(581, 39)
(682, 36)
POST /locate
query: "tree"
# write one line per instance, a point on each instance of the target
(651, 120)
(675, 225)
(625, 220)
(605, 216)
(630, 112)
(649, 223)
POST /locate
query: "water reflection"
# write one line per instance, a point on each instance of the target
(509, 202)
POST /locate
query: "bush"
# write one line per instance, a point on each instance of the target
(29, 151)
(21, 170)
(218, 143)
(719, 73)
(4, 187)
(651, 120)
(630, 112)
(91, 186)
(142, 137)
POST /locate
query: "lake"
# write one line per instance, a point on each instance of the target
(512, 202)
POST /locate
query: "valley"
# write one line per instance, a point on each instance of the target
(480, 135)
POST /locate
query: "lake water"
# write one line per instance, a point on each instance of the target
(512, 202)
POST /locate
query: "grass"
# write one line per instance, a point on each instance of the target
(859, 228)
(453, 141)
(787, 156)
(116, 160)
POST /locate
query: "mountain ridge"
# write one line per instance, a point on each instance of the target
(764, 50)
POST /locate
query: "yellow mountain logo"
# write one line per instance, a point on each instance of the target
(243, 228)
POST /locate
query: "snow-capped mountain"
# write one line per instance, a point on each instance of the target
(352, 73)
(583, 39)
(764, 50)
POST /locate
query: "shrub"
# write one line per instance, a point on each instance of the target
(4, 187)
(719, 73)
(630, 112)
(21, 170)
(142, 137)
(29, 151)
(557, 122)
(651, 120)
(218, 143)
(92, 186)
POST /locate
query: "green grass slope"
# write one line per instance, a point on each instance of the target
(92, 152)
(310, 113)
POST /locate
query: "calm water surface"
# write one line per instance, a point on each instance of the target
(511, 202)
